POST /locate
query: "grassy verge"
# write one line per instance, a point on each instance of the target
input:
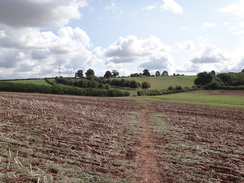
(32, 81)
(204, 98)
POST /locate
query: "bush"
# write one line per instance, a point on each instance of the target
(59, 89)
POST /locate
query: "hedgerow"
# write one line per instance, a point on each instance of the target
(60, 89)
(170, 90)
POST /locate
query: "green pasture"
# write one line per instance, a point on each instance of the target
(163, 82)
(32, 81)
(205, 97)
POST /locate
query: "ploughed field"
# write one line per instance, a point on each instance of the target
(51, 138)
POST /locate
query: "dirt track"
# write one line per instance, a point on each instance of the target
(147, 163)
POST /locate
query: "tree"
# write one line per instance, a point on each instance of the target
(203, 78)
(90, 74)
(213, 72)
(115, 73)
(157, 74)
(79, 74)
(145, 85)
(242, 70)
(165, 73)
(146, 72)
(133, 84)
(108, 74)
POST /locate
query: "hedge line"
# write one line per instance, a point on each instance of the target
(59, 89)
(170, 90)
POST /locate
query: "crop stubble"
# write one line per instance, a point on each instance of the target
(55, 138)
(201, 144)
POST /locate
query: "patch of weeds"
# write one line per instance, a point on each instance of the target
(91, 178)
(191, 178)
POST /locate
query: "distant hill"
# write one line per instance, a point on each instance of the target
(163, 82)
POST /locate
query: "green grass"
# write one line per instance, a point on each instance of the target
(32, 81)
(159, 83)
(204, 98)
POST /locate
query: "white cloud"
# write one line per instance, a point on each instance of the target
(172, 6)
(235, 8)
(161, 62)
(43, 14)
(149, 7)
(211, 58)
(127, 49)
(42, 52)
(208, 24)
(2, 34)
(186, 45)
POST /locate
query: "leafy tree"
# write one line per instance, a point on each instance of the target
(135, 75)
(203, 78)
(79, 74)
(108, 74)
(157, 74)
(242, 70)
(115, 73)
(165, 73)
(213, 72)
(122, 82)
(90, 74)
(146, 72)
(145, 85)
(133, 84)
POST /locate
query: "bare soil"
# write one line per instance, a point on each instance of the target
(53, 138)
(147, 163)
(200, 143)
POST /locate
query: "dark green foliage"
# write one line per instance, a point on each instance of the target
(145, 85)
(108, 74)
(90, 74)
(170, 90)
(50, 82)
(204, 78)
(157, 74)
(115, 73)
(59, 89)
(165, 73)
(232, 79)
(135, 75)
(146, 72)
(134, 84)
(79, 74)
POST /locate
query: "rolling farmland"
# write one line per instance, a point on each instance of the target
(52, 138)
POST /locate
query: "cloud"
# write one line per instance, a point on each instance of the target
(172, 6)
(41, 14)
(186, 45)
(130, 48)
(160, 62)
(149, 7)
(211, 58)
(31, 53)
(208, 24)
(235, 8)
(211, 54)
(2, 34)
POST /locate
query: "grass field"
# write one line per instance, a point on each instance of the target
(32, 81)
(159, 83)
(211, 98)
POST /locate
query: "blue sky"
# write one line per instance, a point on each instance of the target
(39, 36)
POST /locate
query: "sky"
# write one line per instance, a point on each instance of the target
(41, 38)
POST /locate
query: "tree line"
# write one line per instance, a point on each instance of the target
(59, 89)
(209, 80)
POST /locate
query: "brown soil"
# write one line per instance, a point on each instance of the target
(147, 163)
